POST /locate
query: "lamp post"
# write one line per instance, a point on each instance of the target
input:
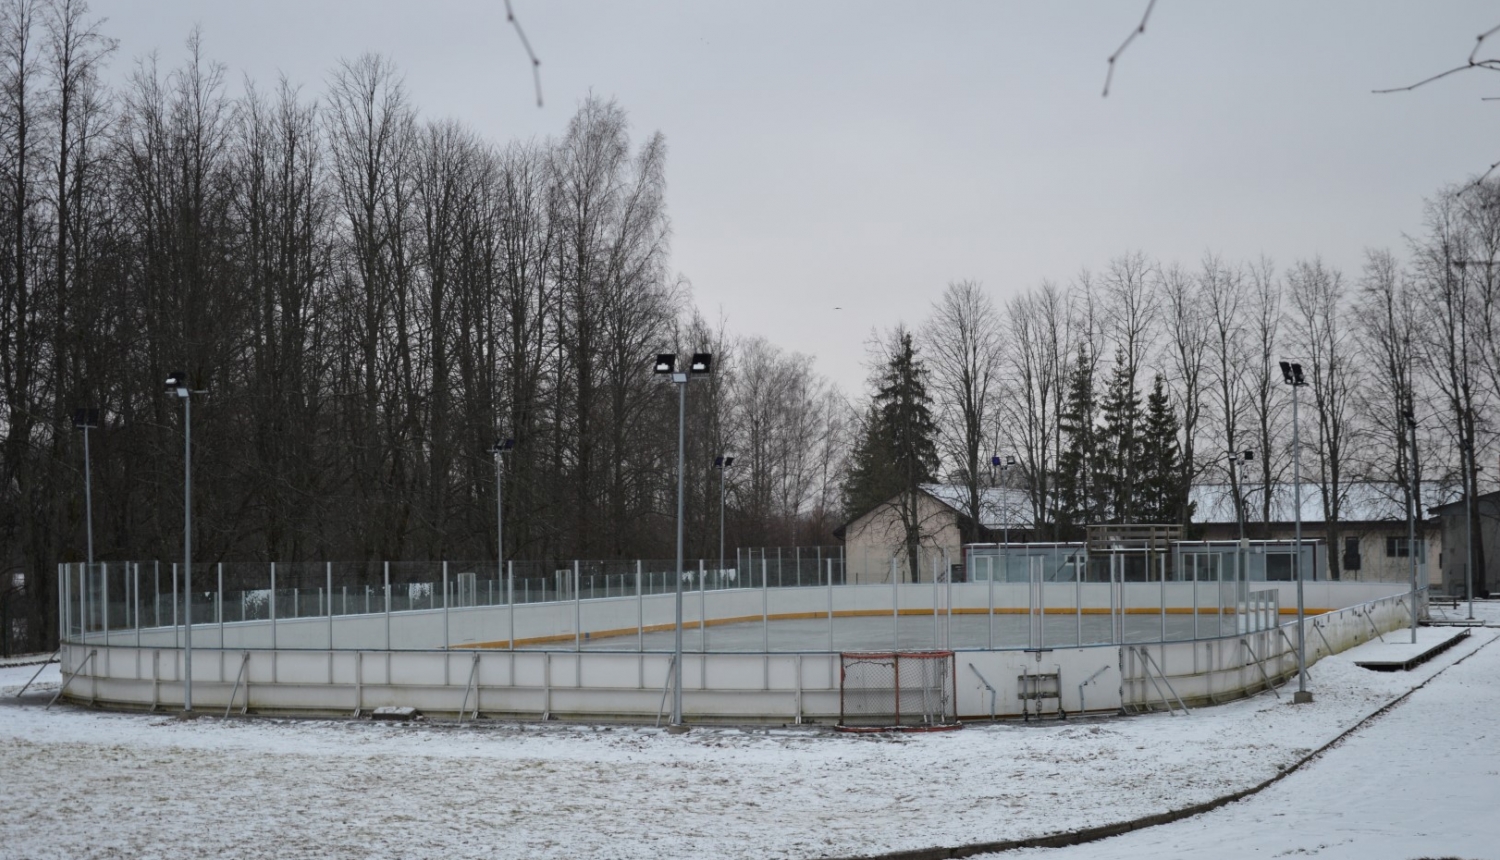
(1235, 459)
(1291, 373)
(666, 365)
(999, 468)
(722, 463)
(177, 386)
(1411, 516)
(1467, 445)
(86, 420)
(498, 451)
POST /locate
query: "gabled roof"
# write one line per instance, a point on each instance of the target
(999, 507)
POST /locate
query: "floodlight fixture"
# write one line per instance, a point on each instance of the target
(995, 460)
(85, 419)
(666, 363)
(702, 364)
(177, 383)
(501, 446)
(1010, 460)
(723, 461)
(1291, 373)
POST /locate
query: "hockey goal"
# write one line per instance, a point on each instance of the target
(896, 691)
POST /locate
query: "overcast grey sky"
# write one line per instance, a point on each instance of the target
(862, 155)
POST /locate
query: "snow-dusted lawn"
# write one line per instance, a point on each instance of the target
(1421, 781)
(76, 783)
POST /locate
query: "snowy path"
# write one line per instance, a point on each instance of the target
(77, 783)
(1421, 781)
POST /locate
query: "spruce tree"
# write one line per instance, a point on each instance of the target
(1077, 463)
(896, 452)
(1164, 491)
(1120, 446)
(872, 477)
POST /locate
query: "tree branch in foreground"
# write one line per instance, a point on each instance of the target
(1139, 29)
(536, 65)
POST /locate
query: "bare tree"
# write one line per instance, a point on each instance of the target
(1263, 379)
(1386, 329)
(1229, 362)
(1447, 351)
(1318, 303)
(1189, 331)
(1036, 366)
(964, 353)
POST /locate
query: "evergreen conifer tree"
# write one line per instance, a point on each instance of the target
(1120, 446)
(1077, 462)
(1164, 487)
(896, 452)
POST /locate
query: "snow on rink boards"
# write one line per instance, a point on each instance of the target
(82, 783)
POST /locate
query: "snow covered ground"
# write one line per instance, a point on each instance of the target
(77, 783)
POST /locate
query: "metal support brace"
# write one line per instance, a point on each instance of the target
(987, 687)
(1371, 622)
(1263, 675)
(472, 685)
(1318, 627)
(38, 673)
(1293, 648)
(1149, 662)
(68, 677)
(244, 663)
(359, 684)
(1100, 671)
(665, 689)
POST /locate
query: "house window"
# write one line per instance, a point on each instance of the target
(1351, 553)
(1400, 547)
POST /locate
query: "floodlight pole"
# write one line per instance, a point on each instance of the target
(1469, 501)
(1411, 518)
(187, 553)
(723, 468)
(1005, 503)
(499, 515)
(499, 449)
(1302, 696)
(88, 495)
(681, 379)
(1242, 559)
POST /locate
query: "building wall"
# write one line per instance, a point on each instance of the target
(1375, 564)
(1454, 561)
(871, 541)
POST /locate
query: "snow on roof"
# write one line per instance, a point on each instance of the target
(1362, 502)
(998, 506)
